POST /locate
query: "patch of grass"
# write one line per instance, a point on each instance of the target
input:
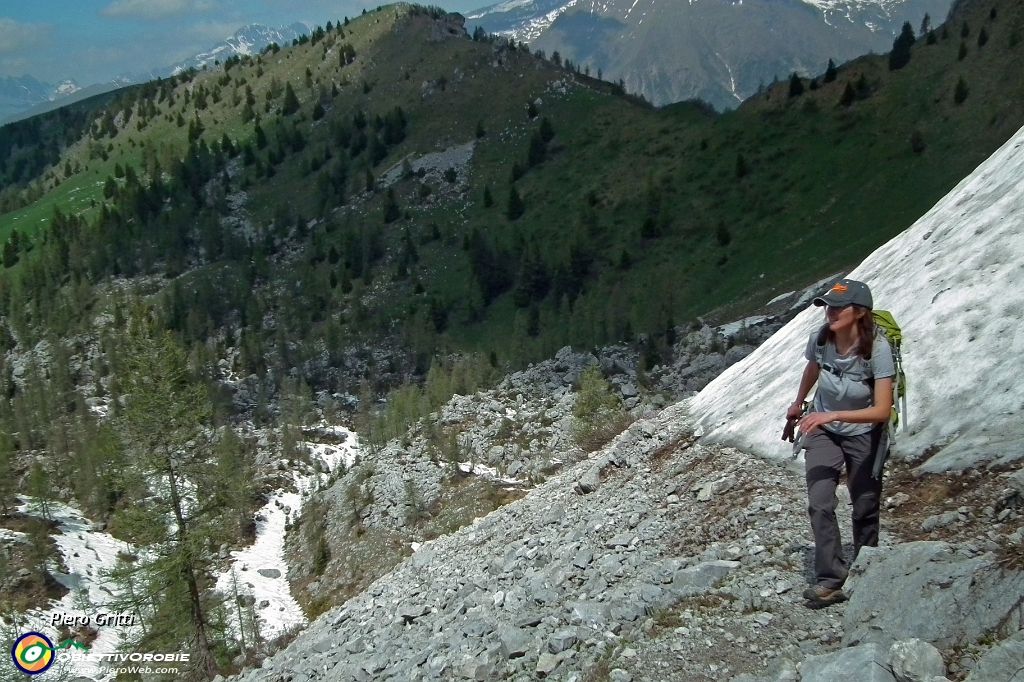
(465, 499)
(603, 434)
(666, 619)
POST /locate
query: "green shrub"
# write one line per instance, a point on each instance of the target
(595, 405)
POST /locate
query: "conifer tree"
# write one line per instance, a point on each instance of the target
(796, 86)
(392, 212)
(848, 95)
(516, 207)
(291, 102)
(164, 428)
(961, 91)
(900, 55)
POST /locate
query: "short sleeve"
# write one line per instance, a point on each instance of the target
(812, 341)
(882, 365)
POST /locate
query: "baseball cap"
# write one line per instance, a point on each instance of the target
(845, 292)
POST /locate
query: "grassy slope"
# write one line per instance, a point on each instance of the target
(826, 184)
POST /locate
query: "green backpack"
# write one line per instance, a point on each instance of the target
(890, 329)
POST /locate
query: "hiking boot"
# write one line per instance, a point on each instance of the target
(824, 595)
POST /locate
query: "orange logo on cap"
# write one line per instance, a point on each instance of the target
(841, 288)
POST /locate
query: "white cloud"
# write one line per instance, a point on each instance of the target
(18, 35)
(210, 32)
(154, 9)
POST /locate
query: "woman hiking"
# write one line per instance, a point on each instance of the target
(853, 368)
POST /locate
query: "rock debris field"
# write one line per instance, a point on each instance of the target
(683, 562)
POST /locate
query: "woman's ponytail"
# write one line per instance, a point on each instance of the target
(865, 332)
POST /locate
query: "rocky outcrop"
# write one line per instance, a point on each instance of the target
(933, 592)
(447, 26)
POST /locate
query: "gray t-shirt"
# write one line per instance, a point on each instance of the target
(849, 391)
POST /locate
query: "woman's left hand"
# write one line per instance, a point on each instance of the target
(814, 420)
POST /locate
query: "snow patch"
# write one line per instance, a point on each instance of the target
(89, 555)
(277, 609)
(949, 282)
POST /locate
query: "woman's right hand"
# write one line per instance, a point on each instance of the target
(795, 410)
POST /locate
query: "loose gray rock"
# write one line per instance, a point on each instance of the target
(864, 663)
(621, 540)
(912, 660)
(515, 642)
(546, 664)
(589, 481)
(1016, 481)
(939, 521)
(269, 572)
(700, 578)
(583, 558)
(562, 640)
(713, 488)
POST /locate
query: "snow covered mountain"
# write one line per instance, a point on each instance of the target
(717, 50)
(947, 280)
(21, 94)
(246, 40)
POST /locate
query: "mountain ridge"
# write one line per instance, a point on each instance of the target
(717, 50)
(37, 98)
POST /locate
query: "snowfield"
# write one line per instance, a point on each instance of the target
(952, 280)
(88, 555)
(260, 570)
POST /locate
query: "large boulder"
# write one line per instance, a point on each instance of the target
(915, 661)
(925, 590)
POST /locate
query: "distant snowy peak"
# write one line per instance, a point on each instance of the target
(527, 19)
(65, 88)
(520, 19)
(248, 40)
(720, 51)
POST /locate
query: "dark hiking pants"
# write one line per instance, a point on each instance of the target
(826, 455)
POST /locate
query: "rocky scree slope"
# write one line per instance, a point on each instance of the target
(662, 558)
(483, 450)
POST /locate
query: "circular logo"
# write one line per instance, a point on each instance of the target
(32, 653)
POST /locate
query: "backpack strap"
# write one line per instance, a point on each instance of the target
(819, 344)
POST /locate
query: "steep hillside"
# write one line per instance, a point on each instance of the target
(718, 51)
(724, 205)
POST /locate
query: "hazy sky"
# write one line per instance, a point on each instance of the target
(96, 40)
